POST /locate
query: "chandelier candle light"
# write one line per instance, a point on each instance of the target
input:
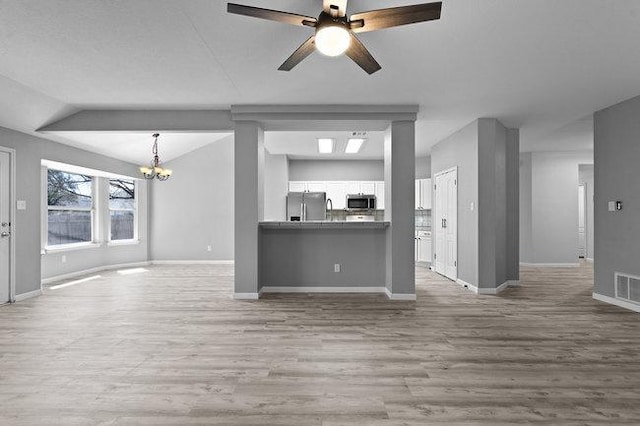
(155, 171)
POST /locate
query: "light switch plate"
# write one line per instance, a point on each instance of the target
(21, 204)
(612, 206)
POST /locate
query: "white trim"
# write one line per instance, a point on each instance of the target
(246, 296)
(445, 171)
(285, 289)
(71, 247)
(92, 271)
(13, 219)
(467, 285)
(550, 265)
(191, 262)
(617, 302)
(29, 295)
(502, 287)
(589, 260)
(399, 296)
(117, 243)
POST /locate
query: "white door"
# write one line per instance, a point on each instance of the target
(446, 224)
(582, 220)
(5, 227)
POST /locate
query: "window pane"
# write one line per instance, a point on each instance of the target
(68, 189)
(121, 194)
(121, 225)
(69, 226)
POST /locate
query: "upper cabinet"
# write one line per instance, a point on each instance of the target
(423, 194)
(337, 191)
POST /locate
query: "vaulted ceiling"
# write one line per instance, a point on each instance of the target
(543, 66)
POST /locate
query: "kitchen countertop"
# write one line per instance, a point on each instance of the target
(325, 224)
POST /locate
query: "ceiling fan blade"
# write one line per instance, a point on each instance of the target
(361, 56)
(340, 4)
(394, 16)
(272, 15)
(301, 52)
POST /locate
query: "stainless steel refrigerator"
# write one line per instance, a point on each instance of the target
(304, 206)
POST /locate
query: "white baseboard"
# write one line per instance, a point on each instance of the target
(93, 271)
(465, 284)
(285, 289)
(550, 265)
(497, 290)
(246, 296)
(617, 302)
(191, 262)
(399, 296)
(29, 295)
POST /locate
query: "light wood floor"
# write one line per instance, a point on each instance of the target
(170, 346)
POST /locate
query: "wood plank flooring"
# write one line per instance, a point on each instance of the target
(170, 347)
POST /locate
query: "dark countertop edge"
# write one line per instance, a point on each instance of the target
(325, 225)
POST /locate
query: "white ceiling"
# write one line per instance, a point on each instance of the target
(538, 65)
(304, 145)
(136, 147)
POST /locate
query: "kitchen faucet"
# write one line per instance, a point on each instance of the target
(327, 209)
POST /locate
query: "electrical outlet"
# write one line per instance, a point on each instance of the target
(209, 248)
(336, 267)
(63, 259)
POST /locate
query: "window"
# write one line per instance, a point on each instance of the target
(122, 209)
(70, 208)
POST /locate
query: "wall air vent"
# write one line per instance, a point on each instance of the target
(627, 287)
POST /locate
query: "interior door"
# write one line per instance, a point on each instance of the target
(438, 224)
(582, 221)
(451, 225)
(5, 227)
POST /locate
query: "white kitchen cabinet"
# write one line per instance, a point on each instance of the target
(367, 188)
(297, 186)
(423, 194)
(424, 246)
(352, 187)
(379, 192)
(317, 186)
(337, 192)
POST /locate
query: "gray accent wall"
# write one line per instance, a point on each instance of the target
(553, 235)
(336, 170)
(526, 237)
(423, 167)
(461, 150)
(194, 209)
(30, 151)
(276, 186)
(616, 178)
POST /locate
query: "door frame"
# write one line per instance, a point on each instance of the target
(12, 215)
(434, 207)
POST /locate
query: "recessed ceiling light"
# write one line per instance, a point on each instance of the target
(354, 145)
(325, 145)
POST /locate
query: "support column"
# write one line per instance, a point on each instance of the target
(248, 206)
(399, 180)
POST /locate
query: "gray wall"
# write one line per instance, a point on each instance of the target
(276, 186)
(27, 231)
(617, 155)
(336, 170)
(585, 176)
(194, 209)
(526, 237)
(461, 150)
(554, 207)
(423, 167)
(305, 258)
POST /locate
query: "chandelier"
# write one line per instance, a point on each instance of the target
(155, 171)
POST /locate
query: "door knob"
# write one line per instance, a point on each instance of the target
(5, 234)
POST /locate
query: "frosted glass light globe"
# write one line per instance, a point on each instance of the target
(332, 40)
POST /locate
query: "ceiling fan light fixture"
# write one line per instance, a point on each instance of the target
(332, 40)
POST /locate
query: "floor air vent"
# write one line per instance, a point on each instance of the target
(627, 287)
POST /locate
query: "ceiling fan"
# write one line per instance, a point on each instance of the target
(335, 32)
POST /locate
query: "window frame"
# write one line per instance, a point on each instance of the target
(135, 238)
(92, 210)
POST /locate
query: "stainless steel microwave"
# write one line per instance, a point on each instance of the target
(361, 202)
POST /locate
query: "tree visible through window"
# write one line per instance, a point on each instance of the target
(70, 204)
(122, 209)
